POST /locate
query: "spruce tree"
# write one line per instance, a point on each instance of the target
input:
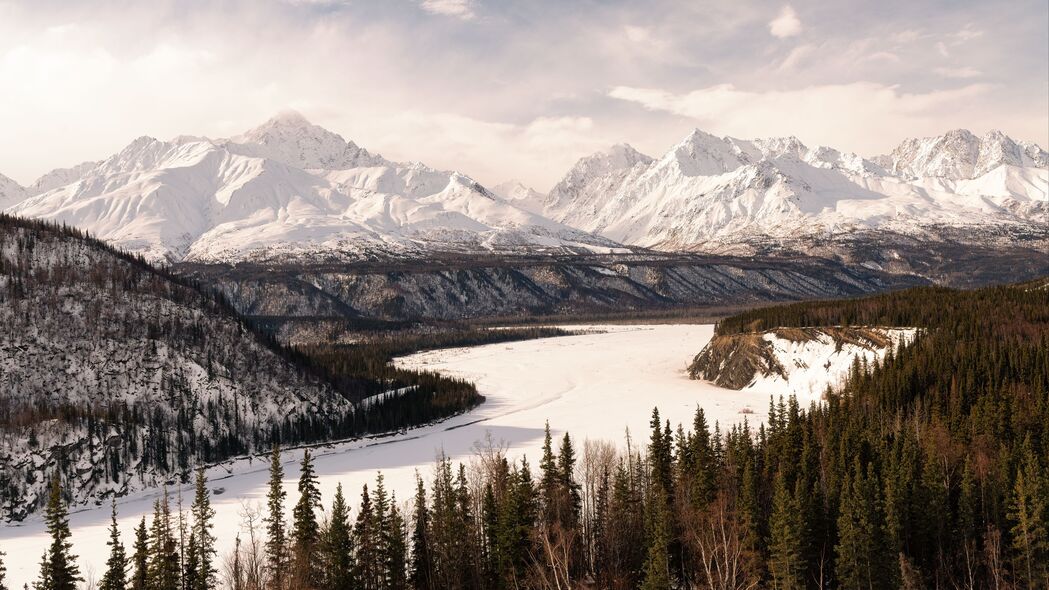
(140, 557)
(786, 539)
(422, 566)
(548, 478)
(379, 527)
(366, 542)
(305, 531)
(276, 537)
(202, 540)
(396, 558)
(570, 489)
(3, 572)
(336, 550)
(864, 557)
(1028, 507)
(115, 577)
(59, 570)
(659, 536)
(43, 581)
(163, 563)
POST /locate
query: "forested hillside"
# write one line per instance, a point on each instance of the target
(118, 376)
(926, 470)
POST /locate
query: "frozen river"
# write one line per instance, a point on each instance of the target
(594, 386)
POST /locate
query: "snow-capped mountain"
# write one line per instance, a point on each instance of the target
(10, 192)
(520, 195)
(283, 190)
(718, 193)
(60, 177)
(959, 155)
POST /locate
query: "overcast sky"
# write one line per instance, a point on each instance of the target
(515, 88)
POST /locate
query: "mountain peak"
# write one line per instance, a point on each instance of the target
(960, 154)
(288, 137)
(288, 118)
(10, 192)
(517, 192)
(704, 154)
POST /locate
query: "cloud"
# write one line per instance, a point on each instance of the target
(968, 33)
(941, 48)
(786, 24)
(522, 96)
(796, 56)
(964, 72)
(457, 8)
(861, 116)
(538, 151)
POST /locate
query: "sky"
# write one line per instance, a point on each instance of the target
(502, 89)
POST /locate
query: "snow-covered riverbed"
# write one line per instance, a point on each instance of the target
(594, 386)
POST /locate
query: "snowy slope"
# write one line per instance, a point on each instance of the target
(288, 189)
(802, 362)
(10, 192)
(60, 177)
(520, 195)
(711, 192)
(811, 366)
(121, 378)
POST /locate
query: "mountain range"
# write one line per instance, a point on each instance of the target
(290, 190)
(725, 194)
(283, 190)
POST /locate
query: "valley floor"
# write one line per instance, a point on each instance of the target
(594, 385)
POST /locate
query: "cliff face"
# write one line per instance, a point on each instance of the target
(462, 289)
(793, 361)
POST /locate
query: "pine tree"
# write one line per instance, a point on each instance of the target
(864, 558)
(336, 549)
(422, 566)
(202, 540)
(139, 559)
(787, 539)
(396, 558)
(276, 538)
(305, 532)
(570, 489)
(190, 564)
(364, 539)
(115, 577)
(163, 563)
(59, 570)
(380, 531)
(1028, 507)
(657, 524)
(43, 581)
(548, 478)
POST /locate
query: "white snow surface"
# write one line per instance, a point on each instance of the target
(594, 386)
(10, 192)
(289, 189)
(708, 192)
(812, 365)
(286, 188)
(520, 194)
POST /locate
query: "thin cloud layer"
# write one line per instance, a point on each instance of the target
(513, 89)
